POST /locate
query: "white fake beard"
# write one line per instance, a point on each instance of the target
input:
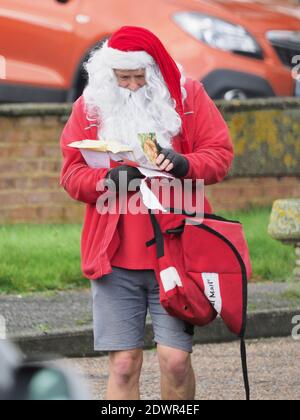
(125, 115)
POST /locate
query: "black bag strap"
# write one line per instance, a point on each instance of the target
(245, 368)
(158, 236)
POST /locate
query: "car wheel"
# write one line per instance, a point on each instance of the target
(81, 78)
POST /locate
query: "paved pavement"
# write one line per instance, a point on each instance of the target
(273, 365)
(61, 323)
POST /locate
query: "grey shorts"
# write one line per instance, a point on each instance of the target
(121, 300)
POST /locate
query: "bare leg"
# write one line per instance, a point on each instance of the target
(177, 374)
(124, 374)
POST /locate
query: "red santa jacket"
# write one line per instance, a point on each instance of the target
(210, 159)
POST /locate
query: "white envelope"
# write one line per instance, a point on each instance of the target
(96, 157)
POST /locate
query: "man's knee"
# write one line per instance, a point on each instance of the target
(125, 365)
(175, 364)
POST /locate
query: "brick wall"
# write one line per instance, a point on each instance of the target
(30, 160)
(245, 193)
(30, 163)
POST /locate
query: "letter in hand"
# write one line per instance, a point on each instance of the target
(119, 178)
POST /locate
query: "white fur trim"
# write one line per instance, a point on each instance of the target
(131, 60)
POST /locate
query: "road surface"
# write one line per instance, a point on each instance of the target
(274, 371)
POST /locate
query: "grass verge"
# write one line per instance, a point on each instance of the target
(47, 257)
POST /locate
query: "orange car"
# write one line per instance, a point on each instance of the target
(237, 48)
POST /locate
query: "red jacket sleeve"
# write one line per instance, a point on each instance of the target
(77, 178)
(211, 144)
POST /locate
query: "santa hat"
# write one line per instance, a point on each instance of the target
(132, 48)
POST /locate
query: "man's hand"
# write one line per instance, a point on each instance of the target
(121, 176)
(173, 162)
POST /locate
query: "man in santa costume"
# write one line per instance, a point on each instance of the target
(134, 86)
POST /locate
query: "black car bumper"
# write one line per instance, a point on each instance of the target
(10, 93)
